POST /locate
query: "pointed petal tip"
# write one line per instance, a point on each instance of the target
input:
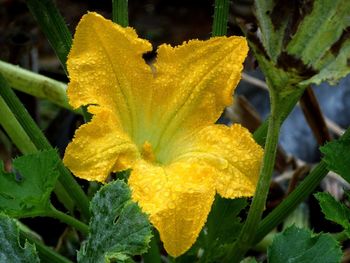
(178, 199)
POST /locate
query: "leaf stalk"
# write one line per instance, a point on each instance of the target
(41, 143)
(247, 235)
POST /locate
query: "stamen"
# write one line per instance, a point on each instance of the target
(147, 152)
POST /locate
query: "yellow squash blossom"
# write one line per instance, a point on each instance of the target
(159, 122)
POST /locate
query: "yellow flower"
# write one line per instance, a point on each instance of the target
(159, 121)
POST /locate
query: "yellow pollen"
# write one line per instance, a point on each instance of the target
(147, 152)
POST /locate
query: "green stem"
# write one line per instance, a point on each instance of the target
(46, 254)
(272, 126)
(288, 105)
(260, 133)
(69, 220)
(248, 231)
(75, 191)
(56, 31)
(305, 188)
(221, 11)
(14, 130)
(22, 141)
(64, 197)
(120, 12)
(53, 25)
(35, 84)
(41, 143)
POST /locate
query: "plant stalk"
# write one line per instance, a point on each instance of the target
(120, 12)
(54, 27)
(69, 220)
(304, 189)
(56, 31)
(14, 130)
(221, 11)
(247, 235)
(22, 141)
(46, 254)
(41, 143)
(35, 84)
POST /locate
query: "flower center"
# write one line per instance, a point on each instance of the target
(147, 152)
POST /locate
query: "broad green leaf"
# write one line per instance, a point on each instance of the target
(333, 65)
(223, 223)
(322, 41)
(320, 30)
(11, 251)
(334, 210)
(26, 191)
(299, 245)
(337, 157)
(307, 38)
(118, 228)
(273, 26)
(222, 228)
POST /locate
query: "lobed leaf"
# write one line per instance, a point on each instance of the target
(223, 224)
(334, 210)
(273, 31)
(222, 228)
(337, 157)
(310, 38)
(11, 251)
(320, 29)
(26, 191)
(299, 245)
(118, 228)
(333, 65)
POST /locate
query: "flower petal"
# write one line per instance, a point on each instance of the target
(106, 68)
(194, 82)
(99, 147)
(178, 198)
(232, 152)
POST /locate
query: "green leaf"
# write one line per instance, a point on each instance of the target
(273, 30)
(320, 29)
(222, 228)
(118, 228)
(26, 191)
(334, 210)
(223, 224)
(333, 65)
(41, 143)
(337, 157)
(299, 245)
(11, 250)
(310, 38)
(323, 41)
